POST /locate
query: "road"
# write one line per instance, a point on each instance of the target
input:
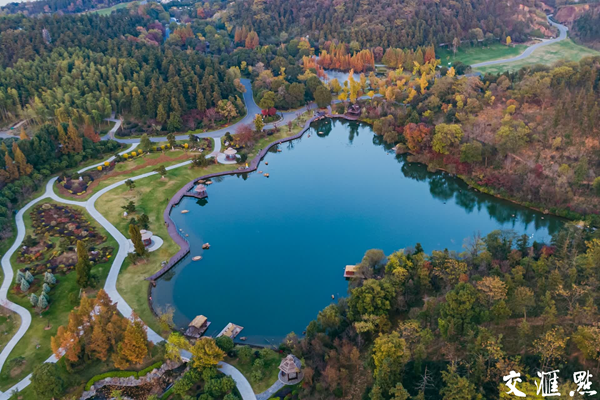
(562, 36)
(251, 110)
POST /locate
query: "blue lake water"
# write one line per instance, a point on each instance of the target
(279, 245)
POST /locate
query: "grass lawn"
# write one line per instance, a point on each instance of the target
(127, 169)
(151, 196)
(270, 375)
(473, 55)
(109, 10)
(34, 347)
(9, 323)
(546, 55)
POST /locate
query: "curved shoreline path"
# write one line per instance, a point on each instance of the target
(251, 110)
(562, 36)
(110, 285)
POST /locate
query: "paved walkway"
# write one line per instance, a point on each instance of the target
(267, 394)
(251, 110)
(240, 380)
(562, 36)
(111, 281)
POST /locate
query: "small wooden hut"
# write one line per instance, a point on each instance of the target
(351, 271)
(290, 370)
(231, 330)
(197, 327)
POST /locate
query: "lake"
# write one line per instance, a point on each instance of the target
(279, 245)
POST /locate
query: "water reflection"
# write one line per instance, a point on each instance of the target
(280, 244)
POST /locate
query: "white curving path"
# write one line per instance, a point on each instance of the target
(562, 36)
(110, 285)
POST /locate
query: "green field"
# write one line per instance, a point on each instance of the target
(473, 55)
(546, 55)
(107, 11)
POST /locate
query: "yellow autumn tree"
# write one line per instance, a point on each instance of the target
(206, 353)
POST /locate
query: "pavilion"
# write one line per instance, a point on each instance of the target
(200, 190)
(290, 370)
(230, 154)
(146, 237)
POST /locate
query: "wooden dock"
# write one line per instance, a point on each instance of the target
(231, 330)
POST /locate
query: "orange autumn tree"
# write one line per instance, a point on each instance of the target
(338, 58)
(252, 40)
(418, 136)
(90, 133)
(96, 330)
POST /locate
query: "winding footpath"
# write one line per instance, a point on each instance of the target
(110, 285)
(251, 110)
(562, 36)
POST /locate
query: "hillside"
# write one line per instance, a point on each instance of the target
(386, 23)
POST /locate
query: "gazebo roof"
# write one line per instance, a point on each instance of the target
(146, 234)
(230, 152)
(290, 364)
(200, 188)
(198, 321)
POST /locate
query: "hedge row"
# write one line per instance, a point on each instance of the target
(122, 374)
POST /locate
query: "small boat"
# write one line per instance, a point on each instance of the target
(209, 182)
(185, 211)
(279, 150)
(332, 296)
(260, 172)
(206, 246)
(197, 258)
(266, 163)
(243, 338)
(186, 235)
(266, 175)
(321, 132)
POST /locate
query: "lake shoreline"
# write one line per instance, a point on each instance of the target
(174, 229)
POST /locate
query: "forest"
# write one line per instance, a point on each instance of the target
(442, 325)
(388, 23)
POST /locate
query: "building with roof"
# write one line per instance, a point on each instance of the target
(290, 370)
(197, 327)
(230, 154)
(146, 237)
(200, 190)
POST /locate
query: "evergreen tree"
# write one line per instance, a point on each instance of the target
(24, 167)
(46, 288)
(33, 299)
(49, 278)
(24, 285)
(12, 172)
(42, 301)
(136, 238)
(161, 114)
(29, 277)
(74, 139)
(63, 140)
(145, 142)
(200, 101)
(20, 276)
(134, 346)
(83, 266)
